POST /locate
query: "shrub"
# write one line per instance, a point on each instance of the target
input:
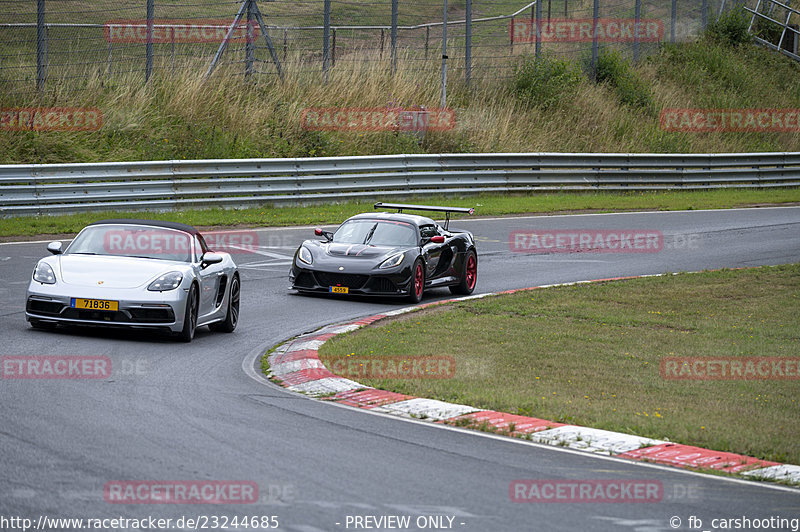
(543, 82)
(631, 90)
(731, 28)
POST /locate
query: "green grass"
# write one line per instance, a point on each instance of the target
(590, 355)
(485, 205)
(180, 117)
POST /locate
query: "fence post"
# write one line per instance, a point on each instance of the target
(333, 47)
(595, 24)
(40, 46)
(636, 25)
(148, 70)
(172, 48)
(468, 44)
(326, 39)
(533, 24)
(443, 104)
(249, 46)
(704, 14)
(674, 18)
(513, 26)
(538, 27)
(393, 36)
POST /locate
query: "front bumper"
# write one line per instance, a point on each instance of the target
(390, 284)
(152, 310)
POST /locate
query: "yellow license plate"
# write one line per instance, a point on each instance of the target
(94, 304)
(340, 290)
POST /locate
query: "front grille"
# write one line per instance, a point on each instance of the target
(94, 315)
(305, 280)
(350, 280)
(382, 284)
(152, 315)
(37, 306)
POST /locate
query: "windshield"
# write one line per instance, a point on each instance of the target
(133, 241)
(376, 233)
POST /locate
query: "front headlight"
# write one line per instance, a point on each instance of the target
(168, 281)
(304, 255)
(393, 261)
(43, 273)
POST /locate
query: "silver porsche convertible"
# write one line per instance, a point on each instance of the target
(137, 274)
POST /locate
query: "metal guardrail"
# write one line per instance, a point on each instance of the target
(164, 185)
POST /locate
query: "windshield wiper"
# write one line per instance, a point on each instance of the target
(369, 235)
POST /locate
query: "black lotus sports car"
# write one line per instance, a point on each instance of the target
(388, 254)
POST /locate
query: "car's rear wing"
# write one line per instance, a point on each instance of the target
(446, 210)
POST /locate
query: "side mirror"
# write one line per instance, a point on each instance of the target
(438, 239)
(328, 235)
(55, 248)
(210, 258)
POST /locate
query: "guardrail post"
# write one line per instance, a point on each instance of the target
(41, 42)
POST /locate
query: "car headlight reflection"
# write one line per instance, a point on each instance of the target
(305, 255)
(393, 261)
(43, 273)
(168, 281)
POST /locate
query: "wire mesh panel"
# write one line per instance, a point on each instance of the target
(54, 45)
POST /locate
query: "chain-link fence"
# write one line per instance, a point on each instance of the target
(60, 42)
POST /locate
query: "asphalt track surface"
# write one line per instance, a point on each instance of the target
(173, 411)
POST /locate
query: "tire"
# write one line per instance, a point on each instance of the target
(43, 325)
(228, 325)
(469, 277)
(417, 286)
(190, 316)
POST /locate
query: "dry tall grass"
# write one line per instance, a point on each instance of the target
(179, 115)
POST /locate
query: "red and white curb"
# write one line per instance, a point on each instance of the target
(296, 366)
